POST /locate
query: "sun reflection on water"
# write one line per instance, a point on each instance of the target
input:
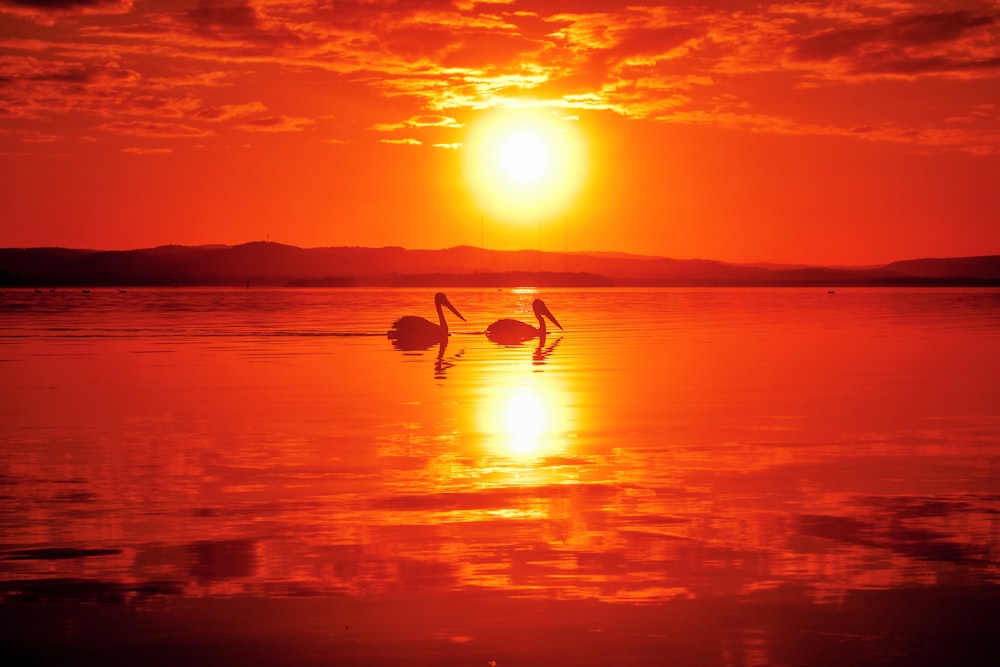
(526, 419)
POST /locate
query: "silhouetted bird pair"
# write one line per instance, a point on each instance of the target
(412, 332)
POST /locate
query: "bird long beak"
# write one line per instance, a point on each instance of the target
(548, 313)
(452, 309)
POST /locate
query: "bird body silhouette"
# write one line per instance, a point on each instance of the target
(418, 333)
(511, 332)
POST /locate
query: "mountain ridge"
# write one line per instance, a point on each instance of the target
(271, 263)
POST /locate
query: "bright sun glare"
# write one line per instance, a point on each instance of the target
(524, 157)
(524, 165)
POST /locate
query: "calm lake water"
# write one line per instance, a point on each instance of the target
(680, 476)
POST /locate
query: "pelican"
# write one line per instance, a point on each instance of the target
(417, 333)
(511, 332)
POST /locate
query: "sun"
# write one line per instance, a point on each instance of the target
(524, 165)
(525, 157)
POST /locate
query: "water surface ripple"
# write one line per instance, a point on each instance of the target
(730, 476)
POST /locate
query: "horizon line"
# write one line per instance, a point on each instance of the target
(620, 253)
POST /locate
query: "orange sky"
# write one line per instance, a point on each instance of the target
(832, 133)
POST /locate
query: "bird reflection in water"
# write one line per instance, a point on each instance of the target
(442, 364)
(514, 332)
(543, 351)
(412, 333)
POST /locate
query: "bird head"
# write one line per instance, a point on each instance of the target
(441, 300)
(541, 309)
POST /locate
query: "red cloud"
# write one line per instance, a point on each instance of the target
(230, 111)
(277, 124)
(910, 44)
(440, 59)
(155, 129)
(47, 11)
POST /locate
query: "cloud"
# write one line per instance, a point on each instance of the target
(186, 81)
(421, 121)
(60, 5)
(918, 30)
(158, 106)
(643, 43)
(209, 15)
(432, 62)
(239, 21)
(39, 88)
(976, 141)
(46, 12)
(907, 44)
(36, 88)
(155, 129)
(277, 124)
(431, 120)
(29, 136)
(106, 74)
(229, 111)
(23, 44)
(929, 65)
(402, 142)
(135, 150)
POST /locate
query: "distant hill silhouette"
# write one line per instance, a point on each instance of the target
(980, 268)
(265, 263)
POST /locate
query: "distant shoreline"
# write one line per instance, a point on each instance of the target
(542, 280)
(276, 265)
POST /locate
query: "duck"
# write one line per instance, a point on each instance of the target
(411, 332)
(508, 331)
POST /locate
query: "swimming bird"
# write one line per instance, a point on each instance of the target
(512, 332)
(417, 333)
